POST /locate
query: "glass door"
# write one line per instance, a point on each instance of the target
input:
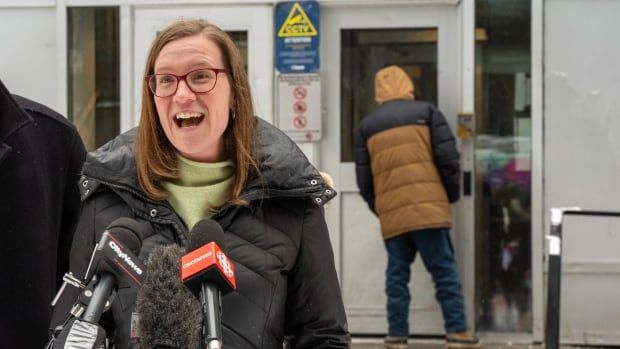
(413, 49)
(503, 151)
(93, 84)
(357, 41)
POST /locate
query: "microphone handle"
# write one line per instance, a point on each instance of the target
(211, 315)
(101, 293)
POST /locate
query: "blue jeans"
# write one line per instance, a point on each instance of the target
(437, 254)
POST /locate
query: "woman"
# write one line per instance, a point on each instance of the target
(199, 152)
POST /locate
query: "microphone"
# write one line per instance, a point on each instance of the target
(113, 264)
(170, 316)
(208, 273)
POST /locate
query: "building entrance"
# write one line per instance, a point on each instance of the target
(357, 42)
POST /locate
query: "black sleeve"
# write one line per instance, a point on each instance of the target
(315, 316)
(81, 249)
(97, 212)
(445, 155)
(363, 173)
(71, 205)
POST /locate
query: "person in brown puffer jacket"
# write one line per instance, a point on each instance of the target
(408, 172)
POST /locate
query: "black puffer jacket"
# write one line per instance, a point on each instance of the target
(286, 280)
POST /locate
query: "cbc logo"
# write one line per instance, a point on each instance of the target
(225, 264)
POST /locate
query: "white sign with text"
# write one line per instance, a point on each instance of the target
(299, 106)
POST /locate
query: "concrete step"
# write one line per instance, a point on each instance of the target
(377, 343)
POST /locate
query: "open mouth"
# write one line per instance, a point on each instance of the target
(188, 119)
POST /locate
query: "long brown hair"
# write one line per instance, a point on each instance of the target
(156, 156)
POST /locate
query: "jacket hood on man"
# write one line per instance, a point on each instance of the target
(392, 83)
(284, 169)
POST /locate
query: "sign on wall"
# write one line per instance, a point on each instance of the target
(299, 106)
(297, 37)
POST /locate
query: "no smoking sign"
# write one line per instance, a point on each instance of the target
(300, 92)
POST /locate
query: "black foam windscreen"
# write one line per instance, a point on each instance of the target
(205, 231)
(128, 231)
(170, 316)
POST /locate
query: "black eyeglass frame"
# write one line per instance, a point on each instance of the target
(183, 77)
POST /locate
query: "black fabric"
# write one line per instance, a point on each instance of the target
(286, 280)
(445, 155)
(363, 172)
(397, 113)
(41, 155)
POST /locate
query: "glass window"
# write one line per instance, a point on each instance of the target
(93, 69)
(364, 52)
(241, 40)
(503, 166)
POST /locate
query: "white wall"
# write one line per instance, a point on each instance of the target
(582, 103)
(28, 55)
(582, 159)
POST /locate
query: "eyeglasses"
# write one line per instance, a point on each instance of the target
(198, 81)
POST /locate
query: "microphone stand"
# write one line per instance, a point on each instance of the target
(81, 329)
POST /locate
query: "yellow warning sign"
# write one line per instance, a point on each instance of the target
(297, 24)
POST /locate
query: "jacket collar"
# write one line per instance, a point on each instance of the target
(12, 118)
(114, 162)
(285, 170)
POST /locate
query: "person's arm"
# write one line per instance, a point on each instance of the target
(445, 154)
(71, 205)
(315, 316)
(363, 173)
(97, 213)
(81, 249)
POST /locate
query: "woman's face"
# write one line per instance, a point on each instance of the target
(194, 122)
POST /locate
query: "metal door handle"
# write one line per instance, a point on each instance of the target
(467, 183)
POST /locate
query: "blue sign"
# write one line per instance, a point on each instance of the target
(297, 37)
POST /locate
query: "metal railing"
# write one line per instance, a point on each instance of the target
(554, 272)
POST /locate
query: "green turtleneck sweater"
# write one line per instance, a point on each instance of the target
(198, 187)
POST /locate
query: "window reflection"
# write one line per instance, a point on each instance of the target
(93, 69)
(240, 38)
(503, 158)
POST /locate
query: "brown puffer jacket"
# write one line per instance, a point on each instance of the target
(407, 165)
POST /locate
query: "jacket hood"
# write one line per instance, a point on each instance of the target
(285, 170)
(392, 83)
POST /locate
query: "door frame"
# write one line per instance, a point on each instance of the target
(455, 82)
